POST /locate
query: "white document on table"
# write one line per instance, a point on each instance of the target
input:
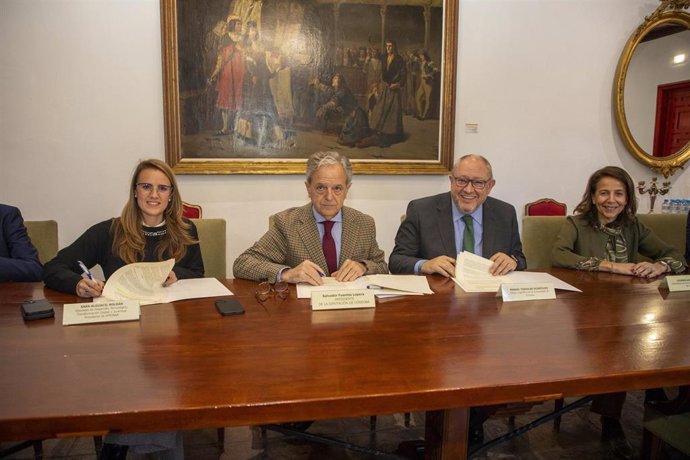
(383, 285)
(143, 281)
(195, 288)
(404, 284)
(472, 275)
(538, 278)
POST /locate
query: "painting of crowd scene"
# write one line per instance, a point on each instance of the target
(285, 78)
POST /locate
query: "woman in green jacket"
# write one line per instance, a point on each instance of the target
(605, 235)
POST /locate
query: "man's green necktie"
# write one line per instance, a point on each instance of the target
(468, 235)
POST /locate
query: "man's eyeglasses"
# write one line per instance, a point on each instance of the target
(477, 184)
(265, 290)
(148, 188)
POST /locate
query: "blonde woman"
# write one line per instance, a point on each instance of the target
(150, 229)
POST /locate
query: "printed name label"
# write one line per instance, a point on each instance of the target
(337, 300)
(527, 291)
(678, 283)
(100, 312)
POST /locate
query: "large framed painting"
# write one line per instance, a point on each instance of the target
(255, 87)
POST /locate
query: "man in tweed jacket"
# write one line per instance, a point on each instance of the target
(292, 251)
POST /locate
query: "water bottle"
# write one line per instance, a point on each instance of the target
(665, 206)
(675, 206)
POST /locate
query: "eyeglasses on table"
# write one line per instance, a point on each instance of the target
(265, 290)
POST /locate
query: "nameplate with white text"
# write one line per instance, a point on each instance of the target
(527, 291)
(339, 300)
(100, 312)
(678, 283)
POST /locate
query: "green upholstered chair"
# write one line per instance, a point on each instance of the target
(538, 235)
(668, 227)
(667, 423)
(44, 236)
(213, 241)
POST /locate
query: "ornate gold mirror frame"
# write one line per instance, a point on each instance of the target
(669, 12)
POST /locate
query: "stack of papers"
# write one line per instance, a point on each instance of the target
(472, 275)
(143, 281)
(384, 285)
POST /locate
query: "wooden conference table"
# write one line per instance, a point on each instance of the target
(183, 366)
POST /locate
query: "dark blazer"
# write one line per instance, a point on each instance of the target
(18, 257)
(292, 238)
(428, 232)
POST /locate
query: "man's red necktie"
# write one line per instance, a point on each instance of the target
(328, 244)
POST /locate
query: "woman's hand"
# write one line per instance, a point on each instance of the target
(89, 288)
(172, 278)
(649, 269)
(641, 270)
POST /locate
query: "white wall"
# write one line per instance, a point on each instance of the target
(81, 102)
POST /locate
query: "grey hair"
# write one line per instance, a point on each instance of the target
(320, 159)
(477, 157)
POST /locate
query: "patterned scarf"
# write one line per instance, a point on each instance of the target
(616, 247)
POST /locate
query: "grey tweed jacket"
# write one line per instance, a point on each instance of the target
(292, 238)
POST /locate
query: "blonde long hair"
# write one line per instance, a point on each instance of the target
(127, 230)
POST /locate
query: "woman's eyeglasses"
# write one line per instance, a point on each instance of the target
(160, 188)
(265, 290)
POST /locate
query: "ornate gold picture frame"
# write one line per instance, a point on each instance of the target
(256, 86)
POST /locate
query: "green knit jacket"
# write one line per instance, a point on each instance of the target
(578, 241)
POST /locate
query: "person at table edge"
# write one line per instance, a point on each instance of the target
(18, 257)
(431, 235)
(605, 235)
(292, 249)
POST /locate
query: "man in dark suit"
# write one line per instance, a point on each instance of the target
(18, 257)
(431, 235)
(433, 231)
(293, 249)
